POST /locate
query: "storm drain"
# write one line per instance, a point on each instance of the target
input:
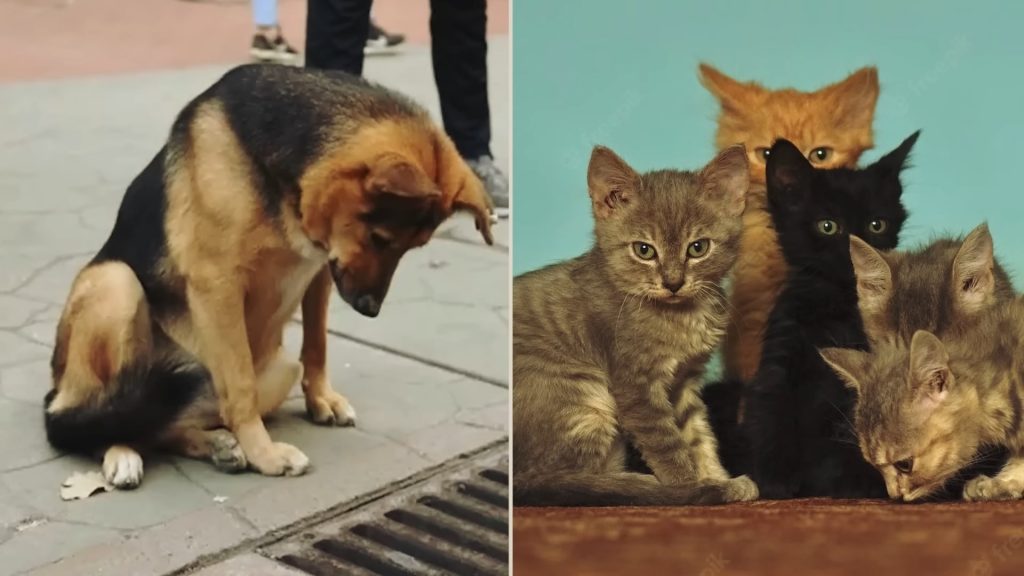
(453, 523)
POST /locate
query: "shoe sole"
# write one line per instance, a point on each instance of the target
(377, 50)
(272, 56)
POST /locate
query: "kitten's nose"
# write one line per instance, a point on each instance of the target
(673, 286)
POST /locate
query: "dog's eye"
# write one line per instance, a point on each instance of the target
(380, 241)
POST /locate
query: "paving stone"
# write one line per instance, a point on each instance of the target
(248, 565)
(15, 311)
(464, 230)
(21, 426)
(445, 311)
(51, 282)
(46, 234)
(27, 382)
(15, 349)
(48, 542)
(157, 550)
(164, 494)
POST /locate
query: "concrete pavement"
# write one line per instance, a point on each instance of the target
(428, 376)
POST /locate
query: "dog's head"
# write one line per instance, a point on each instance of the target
(367, 218)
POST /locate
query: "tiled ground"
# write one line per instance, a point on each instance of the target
(428, 377)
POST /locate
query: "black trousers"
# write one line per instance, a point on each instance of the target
(336, 33)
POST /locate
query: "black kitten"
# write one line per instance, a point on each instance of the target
(796, 410)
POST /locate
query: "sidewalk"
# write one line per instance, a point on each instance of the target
(428, 376)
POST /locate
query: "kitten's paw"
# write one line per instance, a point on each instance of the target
(984, 488)
(740, 489)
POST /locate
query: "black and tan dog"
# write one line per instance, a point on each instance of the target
(273, 183)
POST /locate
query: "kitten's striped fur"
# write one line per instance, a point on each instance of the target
(606, 354)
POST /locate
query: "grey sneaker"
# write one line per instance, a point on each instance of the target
(495, 182)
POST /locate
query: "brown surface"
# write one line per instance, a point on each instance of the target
(59, 38)
(792, 538)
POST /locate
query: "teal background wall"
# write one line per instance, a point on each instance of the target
(624, 74)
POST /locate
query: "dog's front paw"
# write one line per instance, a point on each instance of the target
(122, 467)
(985, 488)
(279, 459)
(330, 409)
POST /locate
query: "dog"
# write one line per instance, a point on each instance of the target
(274, 184)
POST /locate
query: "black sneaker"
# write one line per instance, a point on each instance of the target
(495, 182)
(278, 50)
(379, 41)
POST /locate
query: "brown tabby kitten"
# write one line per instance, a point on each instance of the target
(832, 127)
(923, 412)
(940, 287)
(609, 348)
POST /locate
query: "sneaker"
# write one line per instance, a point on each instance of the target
(264, 49)
(379, 41)
(495, 182)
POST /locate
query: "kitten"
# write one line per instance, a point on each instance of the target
(924, 411)
(609, 348)
(832, 128)
(944, 287)
(795, 420)
(939, 287)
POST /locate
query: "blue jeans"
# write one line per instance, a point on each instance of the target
(264, 13)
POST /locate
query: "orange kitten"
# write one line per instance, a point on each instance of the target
(832, 127)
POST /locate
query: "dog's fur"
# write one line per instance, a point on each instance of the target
(273, 182)
(839, 117)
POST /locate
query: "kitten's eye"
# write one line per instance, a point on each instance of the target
(905, 466)
(698, 249)
(644, 251)
(763, 153)
(878, 226)
(828, 227)
(820, 154)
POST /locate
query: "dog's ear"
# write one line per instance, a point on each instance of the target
(472, 198)
(394, 175)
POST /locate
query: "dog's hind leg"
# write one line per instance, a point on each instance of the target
(218, 445)
(118, 382)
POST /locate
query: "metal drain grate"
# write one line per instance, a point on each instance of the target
(452, 523)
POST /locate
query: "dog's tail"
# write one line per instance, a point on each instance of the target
(723, 403)
(623, 489)
(141, 402)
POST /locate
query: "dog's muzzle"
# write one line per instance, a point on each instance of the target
(365, 304)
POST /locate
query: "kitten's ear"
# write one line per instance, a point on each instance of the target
(732, 95)
(727, 178)
(896, 161)
(874, 277)
(929, 370)
(788, 174)
(845, 362)
(612, 183)
(974, 279)
(854, 99)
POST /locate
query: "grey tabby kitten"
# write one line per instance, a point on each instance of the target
(941, 287)
(609, 348)
(925, 410)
